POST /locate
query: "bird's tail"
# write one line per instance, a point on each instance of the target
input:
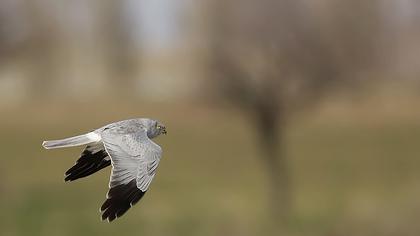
(73, 141)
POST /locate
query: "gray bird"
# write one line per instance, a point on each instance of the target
(127, 146)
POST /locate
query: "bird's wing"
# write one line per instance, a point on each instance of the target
(134, 159)
(92, 159)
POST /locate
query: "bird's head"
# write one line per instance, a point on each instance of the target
(155, 128)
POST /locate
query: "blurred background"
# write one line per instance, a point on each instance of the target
(284, 117)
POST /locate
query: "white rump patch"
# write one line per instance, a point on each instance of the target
(94, 136)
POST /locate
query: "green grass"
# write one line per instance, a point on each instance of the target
(350, 178)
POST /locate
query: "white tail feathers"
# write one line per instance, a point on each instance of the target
(73, 141)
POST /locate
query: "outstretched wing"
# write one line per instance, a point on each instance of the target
(134, 159)
(92, 159)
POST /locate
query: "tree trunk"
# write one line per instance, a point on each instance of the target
(271, 124)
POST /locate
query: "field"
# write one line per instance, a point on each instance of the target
(355, 171)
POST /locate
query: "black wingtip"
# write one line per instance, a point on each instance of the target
(119, 200)
(87, 164)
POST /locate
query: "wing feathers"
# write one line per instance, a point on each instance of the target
(119, 199)
(92, 159)
(134, 160)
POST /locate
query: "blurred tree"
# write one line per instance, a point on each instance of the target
(39, 49)
(122, 54)
(26, 40)
(273, 57)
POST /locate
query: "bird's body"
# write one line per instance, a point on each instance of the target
(127, 146)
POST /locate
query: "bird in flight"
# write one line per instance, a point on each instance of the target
(127, 146)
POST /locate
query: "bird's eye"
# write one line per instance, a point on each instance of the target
(159, 127)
